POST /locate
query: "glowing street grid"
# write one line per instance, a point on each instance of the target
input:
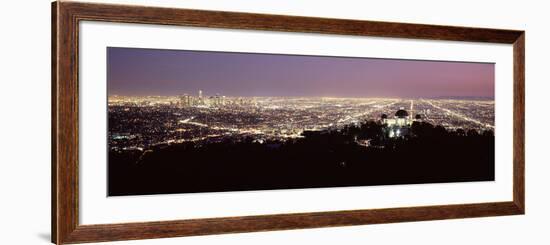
(141, 122)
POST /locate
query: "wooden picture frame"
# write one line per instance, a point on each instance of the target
(65, 121)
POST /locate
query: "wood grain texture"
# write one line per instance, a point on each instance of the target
(54, 123)
(519, 122)
(65, 31)
(65, 104)
(149, 230)
(235, 20)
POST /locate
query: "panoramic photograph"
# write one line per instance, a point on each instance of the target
(183, 121)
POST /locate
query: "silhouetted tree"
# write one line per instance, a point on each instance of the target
(472, 133)
(327, 158)
(488, 133)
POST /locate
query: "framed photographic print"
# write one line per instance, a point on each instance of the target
(174, 122)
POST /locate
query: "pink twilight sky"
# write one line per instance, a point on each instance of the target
(172, 72)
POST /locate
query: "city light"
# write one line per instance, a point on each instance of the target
(140, 122)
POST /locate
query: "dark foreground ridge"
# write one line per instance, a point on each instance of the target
(353, 156)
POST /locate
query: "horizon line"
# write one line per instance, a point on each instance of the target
(321, 96)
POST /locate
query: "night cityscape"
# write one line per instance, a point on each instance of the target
(143, 122)
(197, 121)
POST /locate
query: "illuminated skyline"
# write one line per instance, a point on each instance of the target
(138, 72)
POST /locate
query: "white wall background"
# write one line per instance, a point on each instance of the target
(25, 121)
